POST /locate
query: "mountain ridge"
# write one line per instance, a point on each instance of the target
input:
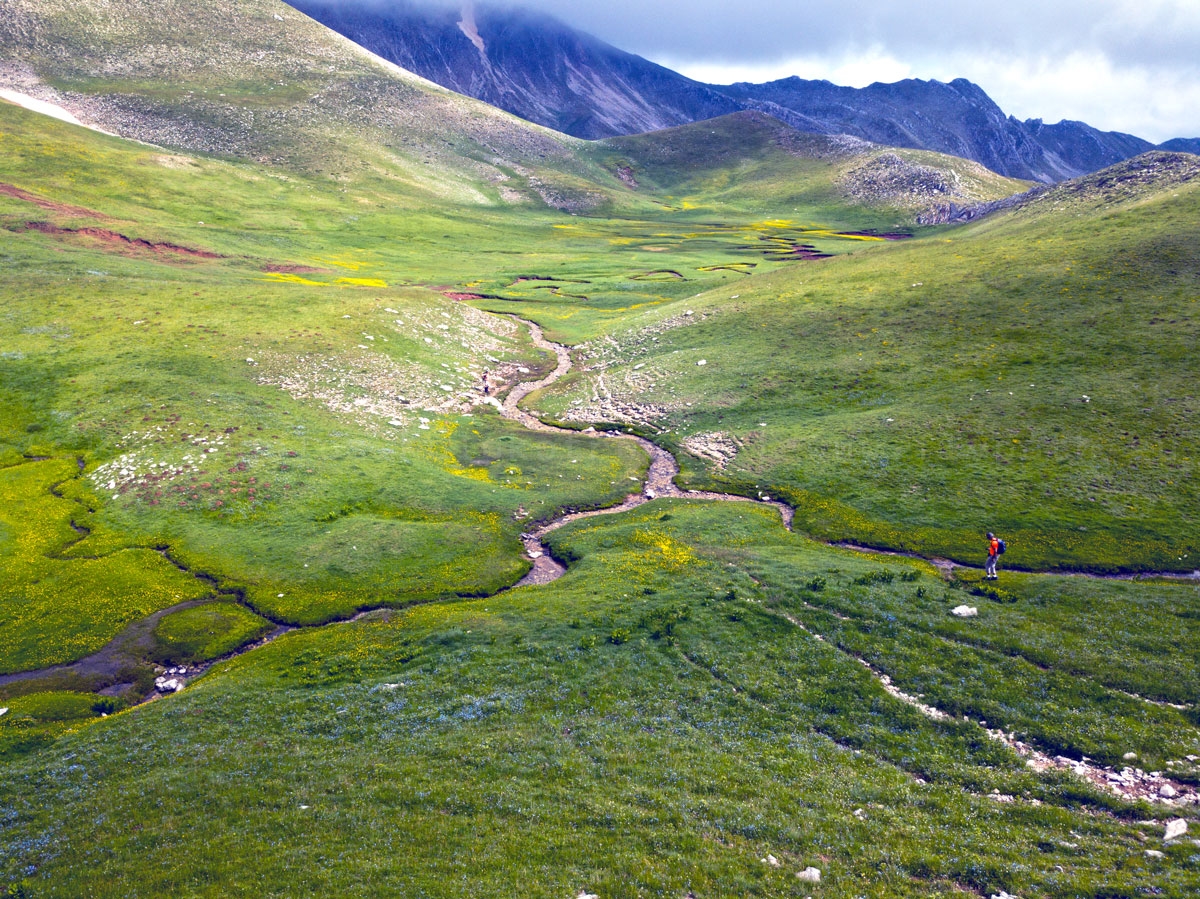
(543, 70)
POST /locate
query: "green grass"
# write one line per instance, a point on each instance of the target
(662, 717)
(59, 605)
(530, 749)
(206, 632)
(1029, 375)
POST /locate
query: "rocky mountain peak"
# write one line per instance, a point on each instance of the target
(540, 69)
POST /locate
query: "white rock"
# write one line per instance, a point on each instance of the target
(702, 362)
(584, 894)
(4, 711)
(964, 611)
(1154, 853)
(1175, 829)
(1003, 895)
(1129, 756)
(810, 875)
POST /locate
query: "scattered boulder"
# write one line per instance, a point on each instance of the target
(809, 875)
(771, 860)
(1166, 791)
(964, 611)
(1154, 853)
(1175, 829)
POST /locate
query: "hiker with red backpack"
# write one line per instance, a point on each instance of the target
(995, 548)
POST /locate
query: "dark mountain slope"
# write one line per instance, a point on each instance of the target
(956, 118)
(542, 70)
(1182, 145)
(528, 64)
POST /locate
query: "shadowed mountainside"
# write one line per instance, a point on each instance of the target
(527, 63)
(545, 71)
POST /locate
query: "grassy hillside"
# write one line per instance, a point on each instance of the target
(751, 160)
(257, 80)
(1031, 374)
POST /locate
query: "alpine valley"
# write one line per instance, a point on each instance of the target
(405, 498)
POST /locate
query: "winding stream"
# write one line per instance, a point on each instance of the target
(659, 482)
(660, 478)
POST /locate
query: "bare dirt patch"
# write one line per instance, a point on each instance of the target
(113, 238)
(718, 447)
(287, 269)
(10, 190)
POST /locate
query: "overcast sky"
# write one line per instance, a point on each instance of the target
(1120, 65)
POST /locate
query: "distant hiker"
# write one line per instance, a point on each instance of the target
(994, 550)
(487, 388)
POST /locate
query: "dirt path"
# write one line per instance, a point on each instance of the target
(1129, 783)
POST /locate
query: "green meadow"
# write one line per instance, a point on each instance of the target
(655, 723)
(242, 379)
(1032, 374)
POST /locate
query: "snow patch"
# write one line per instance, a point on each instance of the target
(33, 104)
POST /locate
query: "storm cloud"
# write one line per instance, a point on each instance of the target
(1126, 65)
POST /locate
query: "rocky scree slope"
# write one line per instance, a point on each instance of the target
(1148, 173)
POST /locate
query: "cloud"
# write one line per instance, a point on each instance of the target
(1127, 65)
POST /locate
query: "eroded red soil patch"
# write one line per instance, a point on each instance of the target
(10, 190)
(113, 238)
